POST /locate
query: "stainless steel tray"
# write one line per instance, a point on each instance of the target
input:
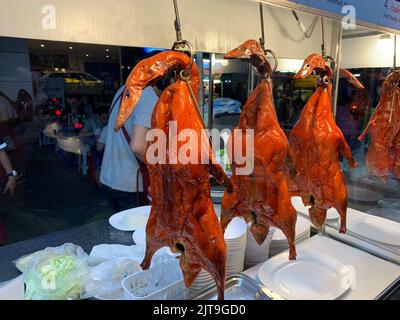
(237, 287)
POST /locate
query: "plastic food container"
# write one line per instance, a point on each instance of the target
(161, 282)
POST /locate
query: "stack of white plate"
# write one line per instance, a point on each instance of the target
(235, 239)
(279, 241)
(255, 253)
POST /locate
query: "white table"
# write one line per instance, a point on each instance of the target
(373, 275)
(12, 290)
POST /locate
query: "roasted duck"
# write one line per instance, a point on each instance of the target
(383, 156)
(346, 74)
(316, 142)
(262, 198)
(182, 215)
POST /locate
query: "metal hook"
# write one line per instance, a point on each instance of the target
(184, 75)
(329, 58)
(276, 61)
(180, 46)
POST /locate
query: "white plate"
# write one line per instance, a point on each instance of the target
(311, 277)
(297, 203)
(130, 220)
(375, 228)
(302, 226)
(332, 214)
(139, 236)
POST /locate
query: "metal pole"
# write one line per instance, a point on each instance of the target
(177, 22)
(199, 62)
(337, 71)
(211, 93)
(323, 49)
(262, 39)
(395, 53)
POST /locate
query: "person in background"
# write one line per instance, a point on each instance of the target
(6, 165)
(10, 184)
(86, 106)
(120, 166)
(72, 103)
(97, 154)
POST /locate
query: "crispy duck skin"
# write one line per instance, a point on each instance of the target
(182, 215)
(262, 198)
(383, 156)
(316, 142)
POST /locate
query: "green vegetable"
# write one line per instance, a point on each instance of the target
(57, 278)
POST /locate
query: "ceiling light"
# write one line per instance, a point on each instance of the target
(42, 45)
(70, 48)
(107, 57)
(87, 54)
(108, 50)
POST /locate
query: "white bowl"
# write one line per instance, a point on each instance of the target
(236, 229)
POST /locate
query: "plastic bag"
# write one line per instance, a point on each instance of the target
(105, 252)
(55, 273)
(110, 264)
(104, 280)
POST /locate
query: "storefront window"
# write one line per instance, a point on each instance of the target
(368, 54)
(54, 101)
(57, 107)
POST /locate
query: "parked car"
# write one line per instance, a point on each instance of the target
(79, 83)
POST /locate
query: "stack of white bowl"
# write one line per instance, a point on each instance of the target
(255, 253)
(203, 280)
(235, 239)
(279, 242)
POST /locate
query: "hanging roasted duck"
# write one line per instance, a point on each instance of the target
(346, 74)
(182, 215)
(316, 143)
(262, 197)
(383, 156)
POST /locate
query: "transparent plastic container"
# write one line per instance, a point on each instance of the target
(161, 282)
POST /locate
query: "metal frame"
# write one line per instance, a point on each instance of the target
(325, 14)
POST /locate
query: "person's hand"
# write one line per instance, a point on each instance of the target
(10, 185)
